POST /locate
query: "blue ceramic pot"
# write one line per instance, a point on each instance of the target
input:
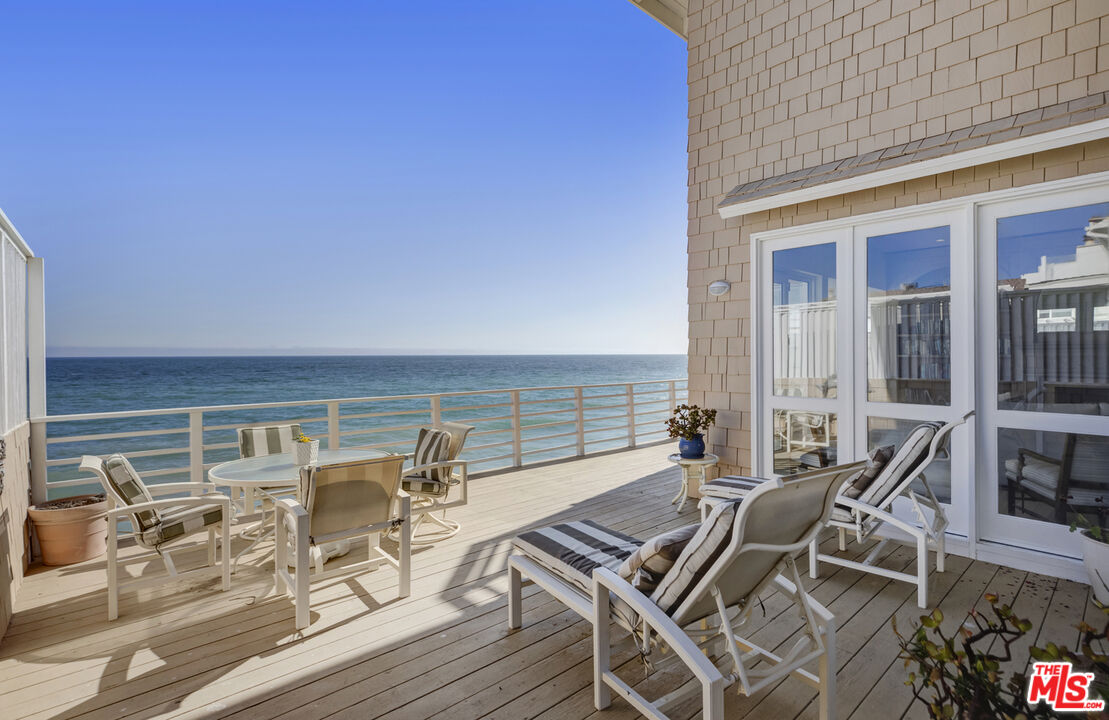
(692, 449)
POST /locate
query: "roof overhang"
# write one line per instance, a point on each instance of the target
(671, 13)
(1051, 140)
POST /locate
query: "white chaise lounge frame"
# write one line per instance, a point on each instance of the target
(867, 518)
(688, 644)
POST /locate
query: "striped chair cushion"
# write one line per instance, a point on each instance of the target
(903, 464)
(177, 523)
(433, 446)
(730, 486)
(272, 440)
(650, 562)
(419, 485)
(573, 550)
(130, 488)
(712, 537)
(877, 460)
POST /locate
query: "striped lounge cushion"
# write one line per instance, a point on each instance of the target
(730, 486)
(129, 486)
(177, 523)
(706, 546)
(272, 440)
(574, 550)
(903, 464)
(650, 562)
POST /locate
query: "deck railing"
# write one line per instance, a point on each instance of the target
(512, 428)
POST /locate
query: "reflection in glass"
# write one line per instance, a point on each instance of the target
(803, 440)
(804, 321)
(888, 431)
(908, 277)
(1053, 476)
(1052, 318)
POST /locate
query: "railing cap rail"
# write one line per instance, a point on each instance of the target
(121, 414)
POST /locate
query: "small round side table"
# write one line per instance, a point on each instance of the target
(692, 469)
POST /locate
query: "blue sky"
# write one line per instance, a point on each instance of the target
(483, 176)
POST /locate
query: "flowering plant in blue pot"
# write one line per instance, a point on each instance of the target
(689, 423)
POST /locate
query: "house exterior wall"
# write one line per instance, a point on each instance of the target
(777, 86)
(720, 327)
(14, 424)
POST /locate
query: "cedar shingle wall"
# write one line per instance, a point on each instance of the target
(720, 328)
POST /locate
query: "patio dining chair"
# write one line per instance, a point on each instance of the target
(865, 504)
(158, 523)
(437, 473)
(341, 502)
(691, 591)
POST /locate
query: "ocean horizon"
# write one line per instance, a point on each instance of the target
(99, 385)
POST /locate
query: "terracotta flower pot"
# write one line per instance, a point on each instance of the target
(69, 532)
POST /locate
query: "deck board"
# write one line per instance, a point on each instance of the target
(189, 651)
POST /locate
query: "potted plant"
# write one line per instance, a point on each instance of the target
(305, 450)
(689, 423)
(1095, 555)
(71, 530)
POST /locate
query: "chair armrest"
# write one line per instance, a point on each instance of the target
(198, 500)
(189, 487)
(861, 509)
(659, 622)
(287, 511)
(444, 465)
(1023, 453)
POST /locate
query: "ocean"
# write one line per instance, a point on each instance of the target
(96, 385)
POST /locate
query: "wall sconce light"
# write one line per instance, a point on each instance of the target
(720, 287)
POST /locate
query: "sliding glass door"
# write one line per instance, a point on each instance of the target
(1044, 360)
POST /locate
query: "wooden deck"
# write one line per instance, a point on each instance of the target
(192, 652)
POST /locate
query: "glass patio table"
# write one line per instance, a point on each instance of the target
(266, 477)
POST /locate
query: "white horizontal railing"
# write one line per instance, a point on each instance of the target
(512, 427)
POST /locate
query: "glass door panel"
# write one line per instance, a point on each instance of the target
(908, 278)
(803, 323)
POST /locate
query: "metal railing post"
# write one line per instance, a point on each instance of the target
(436, 410)
(630, 407)
(673, 396)
(196, 446)
(579, 406)
(333, 426)
(517, 450)
(38, 462)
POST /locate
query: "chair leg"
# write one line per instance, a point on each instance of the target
(827, 674)
(842, 539)
(280, 553)
(712, 699)
(941, 550)
(814, 562)
(405, 559)
(602, 694)
(211, 545)
(225, 556)
(113, 570)
(301, 578)
(922, 571)
(515, 586)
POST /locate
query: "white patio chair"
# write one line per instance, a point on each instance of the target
(158, 523)
(437, 472)
(341, 502)
(872, 506)
(703, 600)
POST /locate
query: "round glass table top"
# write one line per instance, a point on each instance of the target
(278, 469)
